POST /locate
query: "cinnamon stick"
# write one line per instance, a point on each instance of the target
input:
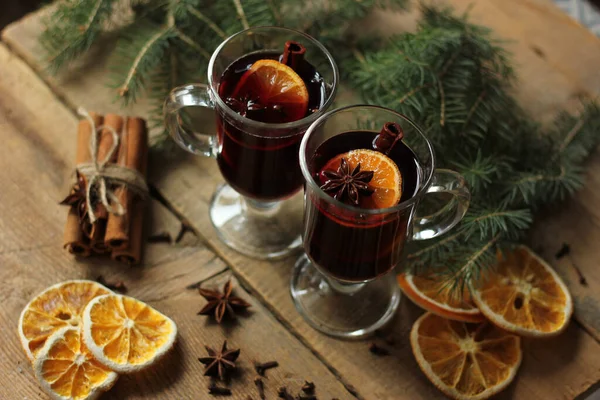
(386, 139)
(105, 142)
(132, 154)
(74, 239)
(293, 55)
(124, 233)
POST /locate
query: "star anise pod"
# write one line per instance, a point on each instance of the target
(219, 363)
(77, 196)
(346, 185)
(244, 105)
(221, 303)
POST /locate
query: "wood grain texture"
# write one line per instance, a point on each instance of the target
(553, 74)
(37, 133)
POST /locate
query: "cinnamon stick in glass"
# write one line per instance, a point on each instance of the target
(124, 233)
(293, 55)
(105, 142)
(74, 240)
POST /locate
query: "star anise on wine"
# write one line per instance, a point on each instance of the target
(244, 105)
(222, 303)
(219, 363)
(347, 186)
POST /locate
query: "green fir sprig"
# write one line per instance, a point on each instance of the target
(454, 80)
(450, 76)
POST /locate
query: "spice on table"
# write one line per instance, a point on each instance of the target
(118, 286)
(103, 210)
(219, 391)
(221, 303)
(261, 388)
(378, 351)
(75, 241)
(124, 233)
(308, 387)
(262, 367)
(386, 337)
(106, 154)
(219, 363)
(282, 393)
(563, 251)
(162, 237)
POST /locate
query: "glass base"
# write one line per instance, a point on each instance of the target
(262, 230)
(346, 311)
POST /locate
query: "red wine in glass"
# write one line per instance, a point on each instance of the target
(261, 165)
(353, 246)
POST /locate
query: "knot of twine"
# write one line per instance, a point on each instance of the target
(102, 173)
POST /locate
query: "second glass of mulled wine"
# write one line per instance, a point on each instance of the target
(267, 85)
(368, 171)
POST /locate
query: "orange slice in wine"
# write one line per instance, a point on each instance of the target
(276, 88)
(387, 179)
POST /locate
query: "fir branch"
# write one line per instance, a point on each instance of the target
(241, 14)
(489, 222)
(72, 29)
(138, 54)
(193, 44)
(470, 266)
(196, 13)
(275, 12)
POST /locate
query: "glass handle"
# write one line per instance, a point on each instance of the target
(192, 95)
(450, 213)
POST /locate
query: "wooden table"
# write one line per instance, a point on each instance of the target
(557, 60)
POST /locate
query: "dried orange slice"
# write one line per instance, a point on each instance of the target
(387, 179)
(67, 371)
(275, 89)
(524, 295)
(430, 294)
(56, 307)
(465, 361)
(126, 334)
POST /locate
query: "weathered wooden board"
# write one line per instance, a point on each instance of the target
(557, 62)
(37, 136)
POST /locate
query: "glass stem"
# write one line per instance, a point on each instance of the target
(256, 208)
(343, 287)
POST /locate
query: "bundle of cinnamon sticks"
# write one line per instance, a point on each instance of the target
(110, 233)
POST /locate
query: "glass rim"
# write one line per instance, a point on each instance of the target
(311, 182)
(264, 125)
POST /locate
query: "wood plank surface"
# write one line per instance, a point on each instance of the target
(37, 133)
(557, 62)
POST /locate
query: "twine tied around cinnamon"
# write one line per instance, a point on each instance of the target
(101, 173)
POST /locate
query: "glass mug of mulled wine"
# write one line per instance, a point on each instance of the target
(371, 183)
(266, 85)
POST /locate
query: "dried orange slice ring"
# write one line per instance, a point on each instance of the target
(276, 87)
(56, 307)
(387, 179)
(66, 369)
(465, 361)
(126, 334)
(430, 294)
(524, 295)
